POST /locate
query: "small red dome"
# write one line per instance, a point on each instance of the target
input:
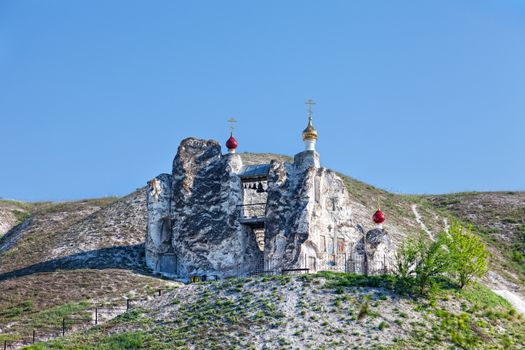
(232, 143)
(378, 217)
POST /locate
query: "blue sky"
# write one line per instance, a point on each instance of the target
(412, 97)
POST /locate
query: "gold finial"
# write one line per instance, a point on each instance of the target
(232, 122)
(310, 133)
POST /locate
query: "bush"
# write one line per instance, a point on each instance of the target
(468, 254)
(433, 261)
(518, 257)
(419, 262)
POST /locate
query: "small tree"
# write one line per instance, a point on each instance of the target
(406, 258)
(468, 254)
(434, 260)
(418, 262)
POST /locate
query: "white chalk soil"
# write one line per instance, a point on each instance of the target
(419, 220)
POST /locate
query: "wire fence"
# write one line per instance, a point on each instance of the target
(74, 322)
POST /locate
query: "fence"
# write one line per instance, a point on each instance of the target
(90, 317)
(353, 263)
(342, 262)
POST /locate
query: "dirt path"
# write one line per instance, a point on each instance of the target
(517, 301)
(506, 290)
(419, 220)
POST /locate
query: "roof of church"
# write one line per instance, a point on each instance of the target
(255, 170)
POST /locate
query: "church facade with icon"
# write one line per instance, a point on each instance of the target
(215, 216)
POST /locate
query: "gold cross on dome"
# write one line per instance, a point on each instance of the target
(232, 122)
(310, 103)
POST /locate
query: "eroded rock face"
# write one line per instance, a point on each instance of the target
(196, 219)
(308, 208)
(377, 250)
(205, 218)
(207, 234)
(159, 238)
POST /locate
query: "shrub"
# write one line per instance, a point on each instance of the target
(419, 262)
(364, 310)
(382, 325)
(433, 261)
(468, 254)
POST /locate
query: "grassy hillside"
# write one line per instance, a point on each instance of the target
(499, 217)
(322, 311)
(68, 257)
(59, 259)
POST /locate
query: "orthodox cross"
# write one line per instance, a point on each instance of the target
(310, 103)
(232, 122)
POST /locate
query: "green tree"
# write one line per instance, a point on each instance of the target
(405, 260)
(418, 262)
(468, 254)
(434, 260)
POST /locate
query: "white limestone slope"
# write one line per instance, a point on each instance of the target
(7, 218)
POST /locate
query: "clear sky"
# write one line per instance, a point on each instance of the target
(412, 97)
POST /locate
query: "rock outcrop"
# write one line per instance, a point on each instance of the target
(214, 216)
(193, 227)
(377, 249)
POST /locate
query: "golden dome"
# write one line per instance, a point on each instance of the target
(309, 133)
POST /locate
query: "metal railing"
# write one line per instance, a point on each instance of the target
(354, 263)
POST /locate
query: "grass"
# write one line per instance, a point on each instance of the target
(41, 300)
(53, 317)
(126, 340)
(340, 280)
(224, 315)
(16, 310)
(482, 296)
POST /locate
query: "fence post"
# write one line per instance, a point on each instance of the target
(160, 292)
(96, 316)
(34, 336)
(127, 304)
(63, 326)
(305, 261)
(5, 344)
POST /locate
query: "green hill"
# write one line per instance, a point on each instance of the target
(61, 260)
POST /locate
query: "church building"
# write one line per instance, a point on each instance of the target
(215, 217)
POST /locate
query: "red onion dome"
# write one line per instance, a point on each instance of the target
(232, 143)
(378, 217)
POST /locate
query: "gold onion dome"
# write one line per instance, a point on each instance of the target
(309, 133)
